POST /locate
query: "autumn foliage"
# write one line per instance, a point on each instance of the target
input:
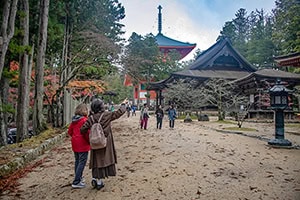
(78, 88)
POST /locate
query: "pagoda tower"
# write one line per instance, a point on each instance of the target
(167, 44)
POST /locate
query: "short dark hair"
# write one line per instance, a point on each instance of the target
(97, 106)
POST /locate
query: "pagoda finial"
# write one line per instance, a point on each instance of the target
(159, 19)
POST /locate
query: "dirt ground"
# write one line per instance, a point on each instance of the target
(193, 161)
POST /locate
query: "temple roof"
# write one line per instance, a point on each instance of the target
(289, 60)
(221, 60)
(207, 74)
(221, 55)
(270, 75)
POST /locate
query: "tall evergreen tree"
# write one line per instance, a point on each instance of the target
(260, 48)
(241, 27)
(286, 33)
(38, 117)
(24, 77)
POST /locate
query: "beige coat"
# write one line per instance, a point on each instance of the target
(107, 156)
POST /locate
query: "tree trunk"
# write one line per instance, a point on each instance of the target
(7, 32)
(4, 86)
(38, 118)
(138, 95)
(63, 108)
(24, 79)
(7, 29)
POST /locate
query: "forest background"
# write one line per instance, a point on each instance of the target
(54, 49)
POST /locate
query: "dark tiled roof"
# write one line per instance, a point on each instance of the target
(276, 73)
(289, 60)
(224, 48)
(292, 55)
(270, 74)
(225, 74)
(159, 85)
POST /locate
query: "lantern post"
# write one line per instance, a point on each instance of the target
(279, 102)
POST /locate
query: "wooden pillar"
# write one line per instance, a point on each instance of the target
(157, 98)
(160, 98)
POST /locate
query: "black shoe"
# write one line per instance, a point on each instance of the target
(94, 183)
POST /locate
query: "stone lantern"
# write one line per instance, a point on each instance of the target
(279, 102)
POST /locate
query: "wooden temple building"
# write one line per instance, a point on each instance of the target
(222, 60)
(165, 45)
(289, 60)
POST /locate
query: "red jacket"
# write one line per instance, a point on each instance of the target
(80, 142)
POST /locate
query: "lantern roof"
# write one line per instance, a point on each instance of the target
(279, 87)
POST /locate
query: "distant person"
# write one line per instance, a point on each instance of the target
(128, 109)
(159, 117)
(112, 109)
(172, 116)
(80, 144)
(102, 161)
(144, 117)
(133, 108)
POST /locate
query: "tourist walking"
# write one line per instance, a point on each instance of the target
(159, 117)
(102, 161)
(144, 117)
(80, 144)
(172, 116)
(133, 108)
(128, 109)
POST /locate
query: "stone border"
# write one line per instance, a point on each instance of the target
(31, 155)
(260, 138)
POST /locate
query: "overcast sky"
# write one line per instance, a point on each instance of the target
(193, 21)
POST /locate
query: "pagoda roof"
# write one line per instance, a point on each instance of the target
(166, 42)
(222, 55)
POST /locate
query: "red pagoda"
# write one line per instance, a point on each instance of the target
(165, 45)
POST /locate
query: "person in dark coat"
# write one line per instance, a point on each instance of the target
(103, 161)
(159, 117)
(80, 143)
(172, 116)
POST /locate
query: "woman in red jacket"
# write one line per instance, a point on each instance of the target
(80, 143)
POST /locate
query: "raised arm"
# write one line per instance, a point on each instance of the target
(87, 125)
(118, 113)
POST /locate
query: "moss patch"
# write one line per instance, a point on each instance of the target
(225, 122)
(9, 152)
(295, 125)
(239, 129)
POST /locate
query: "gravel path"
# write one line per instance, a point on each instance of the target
(193, 161)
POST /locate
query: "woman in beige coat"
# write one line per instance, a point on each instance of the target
(102, 161)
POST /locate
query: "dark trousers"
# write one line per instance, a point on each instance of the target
(133, 113)
(159, 122)
(171, 123)
(144, 122)
(80, 161)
